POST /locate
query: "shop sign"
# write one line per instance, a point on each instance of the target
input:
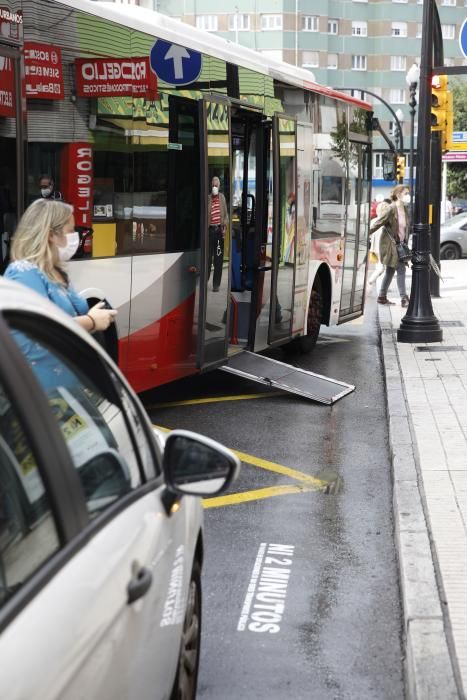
(44, 72)
(115, 77)
(10, 24)
(77, 186)
(7, 87)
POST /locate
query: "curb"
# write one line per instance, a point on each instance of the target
(428, 668)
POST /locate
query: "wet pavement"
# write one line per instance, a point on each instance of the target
(301, 593)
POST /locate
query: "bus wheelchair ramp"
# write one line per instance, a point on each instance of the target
(280, 375)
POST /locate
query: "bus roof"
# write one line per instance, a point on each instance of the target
(163, 27)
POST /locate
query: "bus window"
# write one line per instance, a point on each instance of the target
(184, 176)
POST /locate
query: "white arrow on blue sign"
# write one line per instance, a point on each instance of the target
(175, 64)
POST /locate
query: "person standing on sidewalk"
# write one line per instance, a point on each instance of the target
(396, 227)
(218, 220)
(381, 209)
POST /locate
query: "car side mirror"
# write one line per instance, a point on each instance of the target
(196, 465)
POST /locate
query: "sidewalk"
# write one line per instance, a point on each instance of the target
(427, 414)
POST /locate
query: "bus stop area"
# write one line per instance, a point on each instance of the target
(426, 401)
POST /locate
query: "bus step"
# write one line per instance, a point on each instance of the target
(280, 375)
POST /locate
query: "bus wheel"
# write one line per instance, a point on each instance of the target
(307, 342)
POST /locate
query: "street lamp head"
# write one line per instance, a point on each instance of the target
(413, 74)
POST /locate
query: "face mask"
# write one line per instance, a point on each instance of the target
(72, 243)
(406, 199)
(46, 191)
(215, 190)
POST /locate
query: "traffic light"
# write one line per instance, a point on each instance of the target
(400, 169)
(441, 109)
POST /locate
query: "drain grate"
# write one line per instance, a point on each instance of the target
(440, 348)
(451, 324)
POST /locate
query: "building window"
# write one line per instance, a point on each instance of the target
(275, 54)
(359, 94)
(239, 22)
(359, 28)
(448, 31)
(332, 61)
(451, 3)
(333, 26)
(378, 166)
(310, 59)
(419, 30)
(397, 96)
(271, 22)
(399, 29)
(400, 0)
(359, 62)
(207, 22)
(398, 62)
(359, 0)
(310, 23)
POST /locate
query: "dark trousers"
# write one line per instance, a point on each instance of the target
(216, 254)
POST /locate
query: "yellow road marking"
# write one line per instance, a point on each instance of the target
(310, 483)
(256, 495)
(280, 469)
(215, 399)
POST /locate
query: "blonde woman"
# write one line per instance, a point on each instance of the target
(44, 241)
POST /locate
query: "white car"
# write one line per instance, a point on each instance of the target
(101, 543)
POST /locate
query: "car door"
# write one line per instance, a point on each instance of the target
(80, 636)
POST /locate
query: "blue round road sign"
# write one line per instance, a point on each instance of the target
(175, 64)
(463, 38)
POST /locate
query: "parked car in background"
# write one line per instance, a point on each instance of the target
(459, 206)
(453, 237)
(101, 537)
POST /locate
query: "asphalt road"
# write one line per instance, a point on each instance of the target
(301, 593)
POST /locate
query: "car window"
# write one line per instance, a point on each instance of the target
(149, 460)
(28, 536)
(90, 420)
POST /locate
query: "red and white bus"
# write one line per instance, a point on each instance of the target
(132, 114)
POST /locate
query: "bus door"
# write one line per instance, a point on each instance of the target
(357, 230)
(214, 309)
(284, 228)
(249, 213)
(12, 149)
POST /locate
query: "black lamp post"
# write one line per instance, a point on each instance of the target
(412, 78)
(420, 325)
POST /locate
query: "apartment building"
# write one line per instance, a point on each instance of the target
(352, 44)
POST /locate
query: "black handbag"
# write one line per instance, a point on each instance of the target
(403, 251)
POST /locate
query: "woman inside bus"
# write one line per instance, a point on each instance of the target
(396, 227)
(44, 240)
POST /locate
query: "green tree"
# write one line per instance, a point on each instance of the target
(457, 172)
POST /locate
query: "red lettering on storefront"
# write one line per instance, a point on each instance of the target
(76, 165)
(115, 77)
(44, 71)
(7, 87)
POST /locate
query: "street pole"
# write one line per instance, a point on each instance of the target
(412, 105)
(420, 325)
(436, 162)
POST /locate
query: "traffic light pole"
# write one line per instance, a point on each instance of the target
(420, 325)
(436, 165)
